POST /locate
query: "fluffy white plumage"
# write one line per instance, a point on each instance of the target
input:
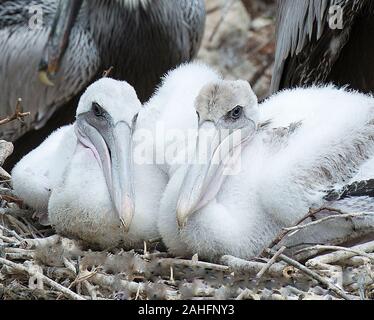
(80, 205)
(171, 108)
(318, 138)
(38, 172)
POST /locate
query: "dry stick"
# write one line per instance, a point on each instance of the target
(10, 199)
(79, 279)
(18, 224)
(90, 289)
(356, 261)
(320, 248)
(7, 192)
(311, 274)
(340, 216)
(14, 212)
(310, 214)
(251, 267)
(41, 242)
(67, 292)
(4, 176)
(19, 256)
(270, 263)
(283, 233)
(18, 115)
(341, 255)
(189, 263)
(113, 282)
(246, 293)
(6, 149)
(107, 73)
(9, 240)
(12, 233)
(32, 229)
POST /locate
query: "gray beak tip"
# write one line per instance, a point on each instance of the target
(44, 79)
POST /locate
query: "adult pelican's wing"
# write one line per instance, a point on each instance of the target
(21, 49)
(312, 48)
(194, 15)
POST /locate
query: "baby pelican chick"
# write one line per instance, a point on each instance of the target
(224, 108)
(38, 172)
(104, 181)
(94, 200)
(282, 168)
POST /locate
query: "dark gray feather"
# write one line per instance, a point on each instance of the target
(308, 50)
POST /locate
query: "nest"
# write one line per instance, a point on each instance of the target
(36, 263)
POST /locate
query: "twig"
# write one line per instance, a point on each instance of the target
(320, 248)
(11, 232)
(311, 274)
(67, 292)
(18, 224)
(340, 216)
(310, 214)
(106, 73)
(40, 242)
(356, 261)
(90, 289)
(247, 294)
(251, 267)
(283, 233)
(116, 284)
(4, 176)
(18, 114)
(6, 149)
(269, 263)
(9, 240)
(189, 263)
(341, 255)
(81, 277)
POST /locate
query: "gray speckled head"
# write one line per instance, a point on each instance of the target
(217, 100)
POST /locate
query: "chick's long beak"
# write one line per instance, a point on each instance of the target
(113, 150)
(121, 189)
(217, 150)
(58, 39)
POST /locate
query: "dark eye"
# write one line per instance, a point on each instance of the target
(97, 110)
(134, 120)
(236, 113)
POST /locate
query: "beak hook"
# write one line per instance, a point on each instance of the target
(43, 77)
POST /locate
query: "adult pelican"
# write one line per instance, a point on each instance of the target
(71, 42)
(324, 41)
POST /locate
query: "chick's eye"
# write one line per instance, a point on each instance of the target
(236, 113)
(97, 110)
(134, 120)
(198, 115)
